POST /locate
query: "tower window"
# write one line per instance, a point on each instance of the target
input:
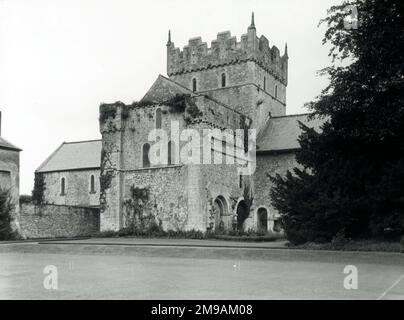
(223, 80)
(265, 83)
(63, 186)
(145, 155)
(171, 153)
(158, 118)
(193, 84)
(92, 184)
(276, 92)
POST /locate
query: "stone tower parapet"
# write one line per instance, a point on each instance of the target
(226, 50)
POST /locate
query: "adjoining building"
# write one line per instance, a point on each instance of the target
(72, 174)
(10, 169)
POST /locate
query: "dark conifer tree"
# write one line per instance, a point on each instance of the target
(351, 180)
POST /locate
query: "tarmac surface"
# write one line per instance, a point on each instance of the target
(121, 268)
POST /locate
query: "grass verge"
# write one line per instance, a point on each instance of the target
(355, 245)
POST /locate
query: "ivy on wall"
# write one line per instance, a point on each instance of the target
(177, 104)
(248, 195)
(105, 178)
(108, 111)
(135, 208)
(38, 193)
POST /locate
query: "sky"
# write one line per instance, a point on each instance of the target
(59, 59)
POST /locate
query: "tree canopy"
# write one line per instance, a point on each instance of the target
(350, 179)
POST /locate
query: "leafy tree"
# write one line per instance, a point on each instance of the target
(6, 211)
(351, 178)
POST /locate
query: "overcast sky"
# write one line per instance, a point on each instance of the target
(59, 59)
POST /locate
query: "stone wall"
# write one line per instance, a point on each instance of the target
(251, 101)
(123, 156)
(244, 90)
(219, 181)
(168, 200)
(270, 164)
(52, 221)
(77, 188)
(236, 75)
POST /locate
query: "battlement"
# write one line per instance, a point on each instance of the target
(225, 50)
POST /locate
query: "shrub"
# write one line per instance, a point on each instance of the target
(6, 212)
(39, 189)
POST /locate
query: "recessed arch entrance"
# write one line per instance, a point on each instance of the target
(221, 210)
(262, 219)
(242, 214)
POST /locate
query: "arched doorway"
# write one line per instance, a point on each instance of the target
(220, 208)
(277, 227)
(262, 220)
(242, 214)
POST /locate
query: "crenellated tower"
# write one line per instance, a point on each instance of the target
(248, 75)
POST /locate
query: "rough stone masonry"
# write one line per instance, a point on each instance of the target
(229, 85)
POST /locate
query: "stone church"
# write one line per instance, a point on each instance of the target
(228, 85)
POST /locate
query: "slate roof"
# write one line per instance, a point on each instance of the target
(74, 156)
(282, 133)
(163, 89)
(4, 144)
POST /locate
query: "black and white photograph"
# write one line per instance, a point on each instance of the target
(228, 151)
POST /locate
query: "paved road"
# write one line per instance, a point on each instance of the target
(93, 270)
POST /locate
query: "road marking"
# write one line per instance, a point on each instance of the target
(391, 287)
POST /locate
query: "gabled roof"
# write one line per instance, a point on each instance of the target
(282, 133)
(4, 144)
(163, 89)
(74, 156)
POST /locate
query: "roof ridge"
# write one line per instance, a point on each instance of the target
(180, 85)
(73, 155)
(8, 145)
(81, 141)
(43, 164)
(292, 115)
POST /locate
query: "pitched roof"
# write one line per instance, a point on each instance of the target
(4, 144)
(282, 133)
(164, 89)
(74, 156)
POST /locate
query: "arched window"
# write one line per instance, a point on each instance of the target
(171, 153)
(193, 84)
(158, 118)
(276, 92)
(212, 152)
(63, 186)
(145, 154)
(92, 184)
(223, 80)
(265, 83)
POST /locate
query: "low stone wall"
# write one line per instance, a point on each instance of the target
(52, 221)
